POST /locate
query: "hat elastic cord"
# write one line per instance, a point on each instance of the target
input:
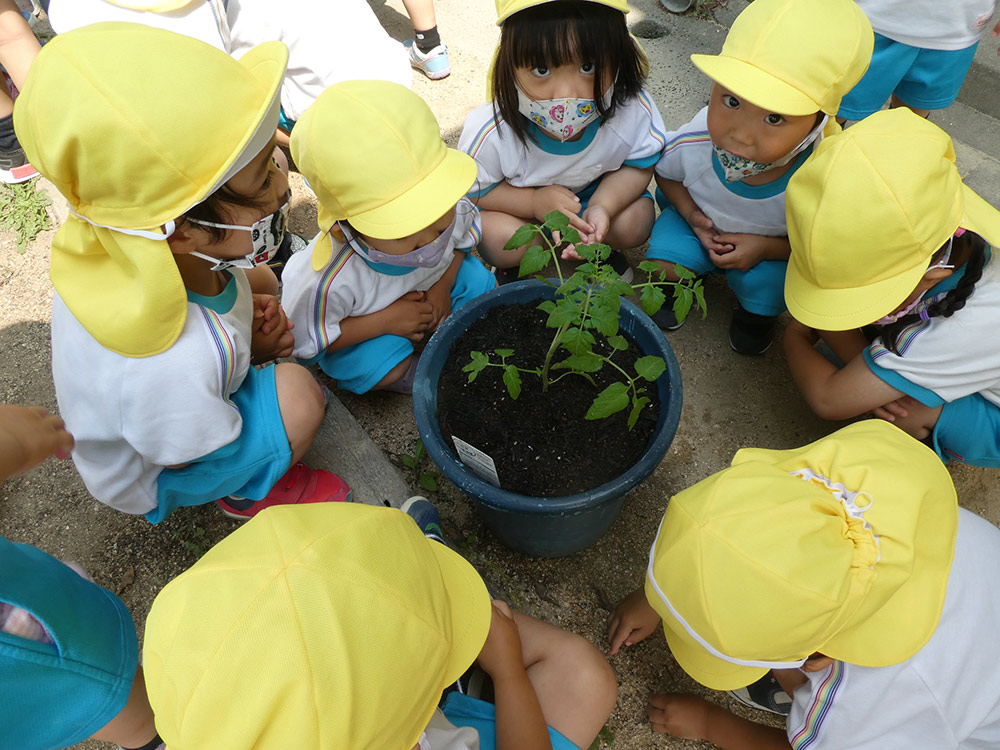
(847, 498)
(168, 229)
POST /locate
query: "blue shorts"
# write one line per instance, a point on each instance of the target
(968, 430)
(284, 122)
(359, 368)
(921, 78)
(760, 290)
(56, 695)
(247, 467)
(463, 711)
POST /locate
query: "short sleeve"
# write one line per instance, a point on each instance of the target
(649, 134)
(480, 139)
(680, 145)
(469, 226)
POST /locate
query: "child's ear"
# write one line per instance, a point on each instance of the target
(183, 240)
(938, 274)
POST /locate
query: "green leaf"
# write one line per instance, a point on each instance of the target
(565, 312)
(683, 298)
(418, 450)
(684, 273)
(588, 362)
(637, 407)
(587, 252)
(473, 375)
(650, 267)
(521, 237)
(578, 341)
(556, 221)
(618, 342)
(650, 368)
(503, 352)
(534, 260)
(512, 379)
(605, 320)
(610, 401)
(571, 236)
(548, 306)
(699, 294)
(428, 481)
(652, 299)
(409, 461)
(480, 358)
(618, 287)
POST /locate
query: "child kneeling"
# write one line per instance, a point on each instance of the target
(392, 258)
(364, 622)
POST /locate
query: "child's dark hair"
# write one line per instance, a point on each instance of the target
(955, 299)
(562, 32)
(215, 209)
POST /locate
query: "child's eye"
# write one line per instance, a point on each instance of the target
(773, 119)
(540, 71)
(731, 101)
(587, 69)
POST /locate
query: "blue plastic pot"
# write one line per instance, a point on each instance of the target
(543, 526)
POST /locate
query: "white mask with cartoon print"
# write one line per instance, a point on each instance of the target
(563, 119)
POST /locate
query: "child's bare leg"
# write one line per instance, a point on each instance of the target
(498, 227)
(300, 400)
(575, 685)
(632, 226)
(394, 374)
(262, 280)
(421, 13)
(896, 102)
(133, 726)
(668, 267)
(919, 421)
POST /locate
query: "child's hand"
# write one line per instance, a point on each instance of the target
(631, 621)
(410, 316)
(439, 297)
(704, 229)
(598, 218)
(684, 716)
(271, 333)
(501, 655)
(895, 409)
(29, 435)
(551, 198)
(747, 250)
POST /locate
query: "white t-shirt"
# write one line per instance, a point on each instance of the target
(633, 137)
(441, 734)
(347, 286)
(944, 697)
(931, 24)
(944, 359)
(132, 416)
(689, 158)
(204, 20)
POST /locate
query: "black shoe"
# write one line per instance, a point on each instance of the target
(621, 266)
(665, 318)
(750, 333)
(14, 167)
(507, 275)
(765, 694)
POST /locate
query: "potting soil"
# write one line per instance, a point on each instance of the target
(541, 444)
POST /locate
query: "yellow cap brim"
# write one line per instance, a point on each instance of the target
(424, 203)
(755, 85)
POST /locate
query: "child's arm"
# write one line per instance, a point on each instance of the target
(632, 620)
(833, 393)
(694, 718)
(534, 203)
(617, 191)
(520, 724)
(439, 295)
(410, 317)
(29, 435)
(700, 224)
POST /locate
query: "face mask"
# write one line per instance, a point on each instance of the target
(427, 256)
(894, 316)
(266, 235)
(560, 118)
(738, 167)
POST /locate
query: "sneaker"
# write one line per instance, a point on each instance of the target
(765, 694)
(750, 333)
(621, 266)
(507, 275)
(433, 64)
(300, 484)
(665, 317)
(14, 167)
(425, 515)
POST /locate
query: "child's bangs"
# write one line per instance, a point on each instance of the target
(560, 33)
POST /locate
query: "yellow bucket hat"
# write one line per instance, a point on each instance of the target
(867, 212)
(793, 57)
(842, 547)
(387, 171)
(337, 626)
(118, 117)
(507, 8)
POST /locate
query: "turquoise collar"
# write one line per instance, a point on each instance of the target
(222, 302)
(563, 148)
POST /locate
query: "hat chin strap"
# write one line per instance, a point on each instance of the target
(168, 229)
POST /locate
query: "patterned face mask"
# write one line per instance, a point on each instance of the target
(561, 118)
(739, 167)
(266, 235)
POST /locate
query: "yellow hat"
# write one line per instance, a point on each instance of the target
(867, 212)
(793, 57)
(842, 547)
(507, 8)
(331, 625)
(118, 117)
(387, 171)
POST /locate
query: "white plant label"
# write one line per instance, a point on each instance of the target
(479, 463)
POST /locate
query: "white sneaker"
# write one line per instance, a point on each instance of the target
(433, 64)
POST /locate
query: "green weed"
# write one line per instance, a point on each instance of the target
(22, 210)
(427, 479)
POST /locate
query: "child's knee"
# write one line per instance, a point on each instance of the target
(300, 399)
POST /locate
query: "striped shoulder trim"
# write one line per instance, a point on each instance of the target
(224, 347)
(323, 292)
(687, 139)
(903, 342)
(488, 128)
(823, 700)
(647, 104)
